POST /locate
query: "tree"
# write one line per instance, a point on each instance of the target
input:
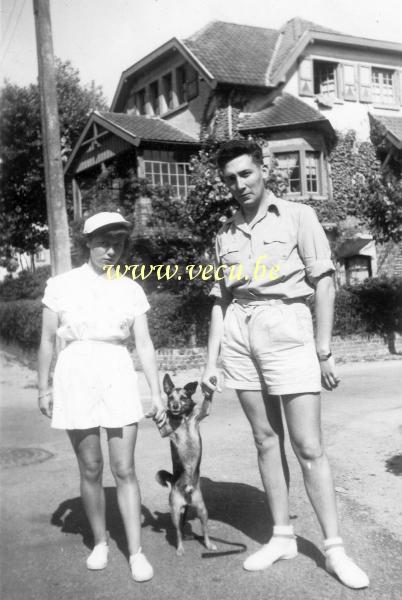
(23, 218)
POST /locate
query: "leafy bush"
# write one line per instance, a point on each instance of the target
(348, 318)
(20, 322)
(380, 304)
(26, 285)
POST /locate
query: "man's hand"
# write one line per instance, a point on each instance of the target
(45, 403)
(157, 412)
(210, 375)
(329, 377)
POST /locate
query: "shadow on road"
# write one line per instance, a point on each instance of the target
(241, 506)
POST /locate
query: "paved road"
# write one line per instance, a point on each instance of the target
(44, 534)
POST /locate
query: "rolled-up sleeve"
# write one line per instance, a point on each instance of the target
(51, 297)
(313, 245)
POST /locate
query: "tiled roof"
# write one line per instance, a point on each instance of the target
(392, 124)
(243, 54)
(285, 110)
(290, 34)
(234, 53)
(147, 128)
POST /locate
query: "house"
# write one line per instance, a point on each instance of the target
(293, 87)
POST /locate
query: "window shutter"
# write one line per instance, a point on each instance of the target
(349, 83)
(364, 83)
(306, 77)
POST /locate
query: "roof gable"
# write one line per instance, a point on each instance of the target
(289, 36)
(133, 129)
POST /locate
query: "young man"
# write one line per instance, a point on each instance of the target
(273, 255)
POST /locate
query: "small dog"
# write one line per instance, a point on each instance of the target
(183, 422)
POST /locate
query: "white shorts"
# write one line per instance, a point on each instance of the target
(272, 343)
(94, 385)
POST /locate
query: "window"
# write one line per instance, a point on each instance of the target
(382, 86)
(325, 80)
(289, 166)
(192, 83)
(312, 172)
(181, 85)
(140, 102)
(168, 90)
(187, 83)
(302, 169)
(175, 174)
(357, 268)
(154, 97)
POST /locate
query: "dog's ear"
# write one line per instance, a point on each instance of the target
(168, 386)
(191, 387)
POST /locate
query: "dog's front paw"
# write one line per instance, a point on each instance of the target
(180, 550)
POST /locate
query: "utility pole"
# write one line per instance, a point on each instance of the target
(59, 242)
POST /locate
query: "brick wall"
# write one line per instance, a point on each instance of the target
(351, 349)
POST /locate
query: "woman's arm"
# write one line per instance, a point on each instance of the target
(146, 354)
(324, 311)
(45, 354)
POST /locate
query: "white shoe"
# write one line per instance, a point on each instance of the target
(141, 568)
(341, 565)
(97, 560)
(278, 548)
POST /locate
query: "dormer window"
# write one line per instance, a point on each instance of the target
(325, 79)
(382, 86)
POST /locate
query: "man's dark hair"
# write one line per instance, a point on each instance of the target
(230, 150)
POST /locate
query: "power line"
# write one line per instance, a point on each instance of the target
(13, 32)
(6, 27)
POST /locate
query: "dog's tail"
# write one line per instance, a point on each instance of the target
(164, 477)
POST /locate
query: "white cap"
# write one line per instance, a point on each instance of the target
(104, 219)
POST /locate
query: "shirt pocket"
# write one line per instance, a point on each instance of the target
(229, 255)
(277, 246)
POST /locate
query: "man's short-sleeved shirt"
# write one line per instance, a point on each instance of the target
(279, 254)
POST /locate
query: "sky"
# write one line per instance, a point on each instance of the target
(104, 37)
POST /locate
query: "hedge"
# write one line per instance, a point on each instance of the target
(372, 307)
(25, 285)
(20, 321)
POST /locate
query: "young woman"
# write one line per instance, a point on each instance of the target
(93, 312)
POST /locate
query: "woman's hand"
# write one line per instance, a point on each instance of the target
(157, 412)
(329, 377)
(45, 403)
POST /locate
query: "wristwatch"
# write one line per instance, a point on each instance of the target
(324, 357)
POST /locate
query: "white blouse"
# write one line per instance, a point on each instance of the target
(92, 306)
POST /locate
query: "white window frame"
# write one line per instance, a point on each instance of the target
(382, 98)
(153, 170)
(303, 171)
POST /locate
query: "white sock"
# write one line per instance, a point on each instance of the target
(282, 545)
(339, 563)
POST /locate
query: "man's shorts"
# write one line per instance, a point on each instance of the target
(270, 342)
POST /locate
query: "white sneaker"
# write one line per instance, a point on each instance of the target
(97, 560)
(341, 565)
(141, 568)
(278, 548)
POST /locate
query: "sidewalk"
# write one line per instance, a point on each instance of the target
(45, 536)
